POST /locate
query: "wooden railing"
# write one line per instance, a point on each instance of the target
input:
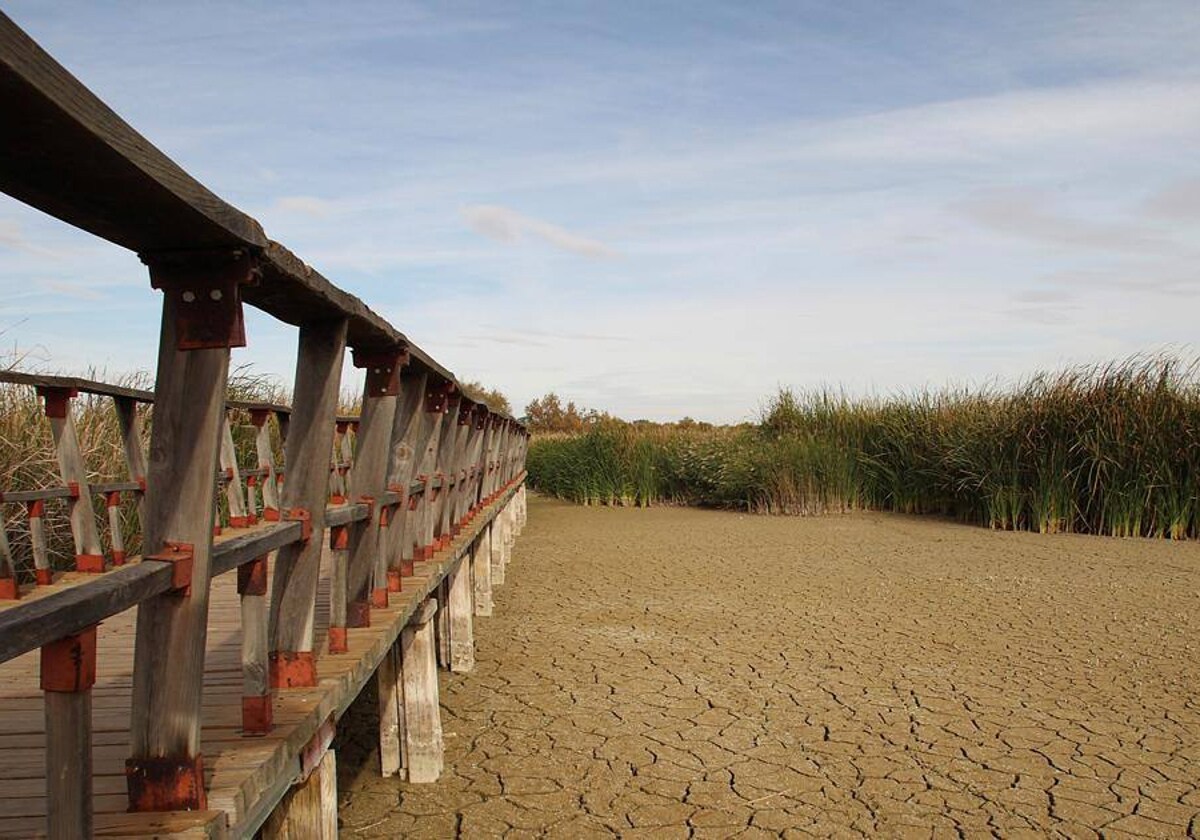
(424, 458)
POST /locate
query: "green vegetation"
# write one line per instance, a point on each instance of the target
(1105, 450)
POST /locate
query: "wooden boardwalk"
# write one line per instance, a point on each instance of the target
(290, 553)
(245, 776)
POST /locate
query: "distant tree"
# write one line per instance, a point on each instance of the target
(548, 414)
(479, 392)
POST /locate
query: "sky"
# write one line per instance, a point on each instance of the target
(660, 209)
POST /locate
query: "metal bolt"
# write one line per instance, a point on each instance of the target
(188, 297)
(215, 294)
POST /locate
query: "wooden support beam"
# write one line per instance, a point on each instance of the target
(36, 512)
(481, 566)
(257, 708)
(89, 556)
(436, 404)
(235, 497)
(10, 587)
(266, 462)
(130, 421)
(409, 430)
(422, 722)
(462, 617)
(495, 530)
(366, 576)
(165, 771)
(68, 672)
(309, 810)
(389, 690)
(297, 567)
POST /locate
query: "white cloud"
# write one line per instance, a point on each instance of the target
(506, 225)
(305, 205)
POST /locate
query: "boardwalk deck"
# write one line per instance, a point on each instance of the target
(245, 776)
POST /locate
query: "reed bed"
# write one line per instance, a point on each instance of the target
(1111, 449)
(28, 461)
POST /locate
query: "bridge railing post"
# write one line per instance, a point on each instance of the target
(409, 431)
(202, 320)
(305, 492)
(366, 582)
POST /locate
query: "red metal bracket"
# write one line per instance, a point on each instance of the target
(204, 288)
(379, 598)
(58, 400)
(258, 417)
(465, 413)
(338, 643)
(270, 514)
(141, 480)
(383, 370)
(166, 784)
(394, 580)
(437, 395)
(339, 537)
(369, 501)
(9, 590)
(258, 715)
(36, 509)
(304, 518)
(293, 669)
(181, 556)
(73, 489)
(91, 564)
(358, 614)
(252, 577)
(69, 663)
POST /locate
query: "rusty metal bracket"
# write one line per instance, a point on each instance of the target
(302, 516)
(58, 400)
(204, 288)
(181, 556)
(69, 664)
(383, 369)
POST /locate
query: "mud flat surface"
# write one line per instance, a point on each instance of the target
(675, 673)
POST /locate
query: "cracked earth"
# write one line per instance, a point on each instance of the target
(685, 673)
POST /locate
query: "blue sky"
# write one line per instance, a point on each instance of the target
(661, 209)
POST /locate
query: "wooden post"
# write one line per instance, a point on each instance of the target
(436, 403)
(409, 430)
(234, 495)
(462, 633)
(266, 463)
(202, 319)
(422, 722)
(10, 587)
(89, 556)
(309, 810)
(112, 506)
(297, 566)
(130, 422)
(42, 573)
(68, 672)
(495, 531)
(390, 692)
(366, 577)
(257, 710)
(438, 535)
(481, 564)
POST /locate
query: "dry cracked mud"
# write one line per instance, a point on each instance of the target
(676, 673)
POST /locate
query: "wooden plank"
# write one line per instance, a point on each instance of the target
(297, 567)
(122, 188)
(74, 383)
(168, 675)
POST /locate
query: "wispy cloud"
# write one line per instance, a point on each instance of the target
(504, 224)
(305, 205)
